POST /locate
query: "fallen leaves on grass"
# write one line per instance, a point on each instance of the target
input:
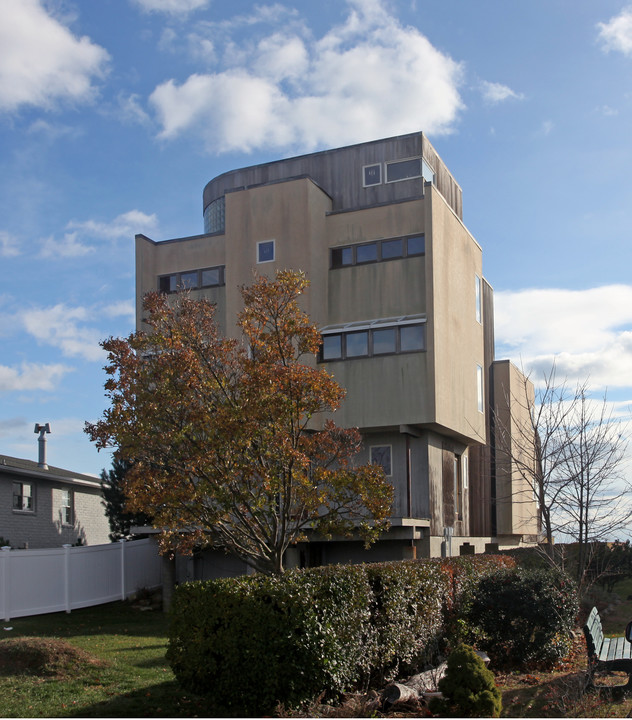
(48, 657)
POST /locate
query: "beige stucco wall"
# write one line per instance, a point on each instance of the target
(515, 503)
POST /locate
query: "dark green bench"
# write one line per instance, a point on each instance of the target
(606, 653)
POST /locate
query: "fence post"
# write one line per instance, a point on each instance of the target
(5, 582)
(67, 576)
(122, 542)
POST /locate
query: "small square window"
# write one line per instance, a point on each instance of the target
(384, 341)
(366, 253)
(211, 277)
(372, 175)
(392, 249)
(265, 251)
(416, 245)
(381, 455)
(411, 337)
(332, 347)
(168, 283)
(189, 280)
(357, 344)
(340, 257)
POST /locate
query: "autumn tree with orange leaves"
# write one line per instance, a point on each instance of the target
(227, 445)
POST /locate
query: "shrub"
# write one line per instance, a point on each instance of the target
(252, 641)
(407, 617)
(526, 615)
(468, 687)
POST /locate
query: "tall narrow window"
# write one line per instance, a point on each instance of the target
(479, 387)
(478, 291)
(458, 488)
(66, 507)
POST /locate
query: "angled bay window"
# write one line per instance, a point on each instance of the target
(386, 336)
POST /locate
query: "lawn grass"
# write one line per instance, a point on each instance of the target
(133, 678)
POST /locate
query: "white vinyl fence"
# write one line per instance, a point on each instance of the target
(33, 582)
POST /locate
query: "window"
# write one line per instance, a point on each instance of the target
(427, 171)
(403, 170)
(265, 251)
(366, 253)
(66, 507)
(191, 279)
(371, 175)
(458, 488)
(23, 496)
(381, 455)
(378, 251)
(466, 472)
(215, 216)
(390, 336)
(479, 387)
(477, 290)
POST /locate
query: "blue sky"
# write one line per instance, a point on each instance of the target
(114, 115)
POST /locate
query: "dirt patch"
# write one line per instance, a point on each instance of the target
(44, 657)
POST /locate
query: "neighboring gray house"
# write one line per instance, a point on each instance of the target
(43, 506)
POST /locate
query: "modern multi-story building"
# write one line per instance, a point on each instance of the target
(407, 324)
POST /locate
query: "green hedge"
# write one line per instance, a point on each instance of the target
(253, 641)
(526, 615)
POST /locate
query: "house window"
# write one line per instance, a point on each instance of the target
(23, 496)
(265, 251)
(479, 387)
(371, 175)
(403, 170)
(66, 507)
(378, 251)
(191, 279)
(373, 338)
(381, 455)
(477, 289)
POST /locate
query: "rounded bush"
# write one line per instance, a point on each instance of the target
(468, 687)
(525, 615)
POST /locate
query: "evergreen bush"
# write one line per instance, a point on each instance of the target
(468, 687)
(526, 615)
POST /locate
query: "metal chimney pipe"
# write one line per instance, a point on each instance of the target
(42, 430)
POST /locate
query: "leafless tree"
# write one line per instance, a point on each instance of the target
(570, 451)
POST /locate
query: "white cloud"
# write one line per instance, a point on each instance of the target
(31, 376)
(616, 34)
(65, 328)
(123, 308)
(588, 333)
(123, 226)
(9, 246)
(495, 93)
(41, 61)
(174, 7)
(366, 78)
(68, 247)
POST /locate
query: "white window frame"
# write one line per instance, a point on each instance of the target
(22, 496)
(266, 242)
(390, 457)
(66, 493)
(371, 165)
(402, 160)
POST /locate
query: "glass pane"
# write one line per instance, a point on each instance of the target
(381, 455)
(357, 344)
(384, 341)
(411, 337)
(392, 248)
(403, 170)
(332, 347)
(372, 175)
(366, 253)
(341, 257)
(266, 251)
(167, 283)
(189, 280)
(211, 276)
(416, 245)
